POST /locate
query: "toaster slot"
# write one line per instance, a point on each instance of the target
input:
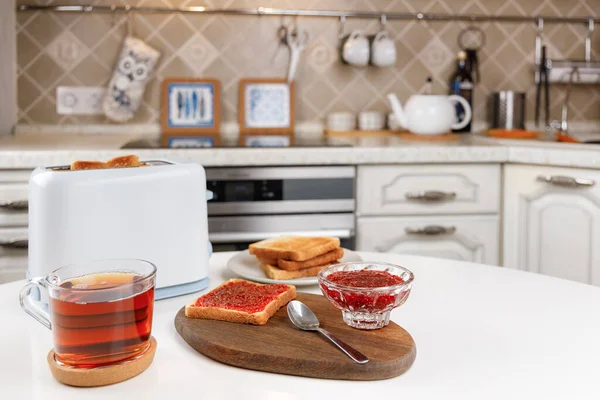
(148, 163)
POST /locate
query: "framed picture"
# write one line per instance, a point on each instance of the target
(191, 106)
(266, 106)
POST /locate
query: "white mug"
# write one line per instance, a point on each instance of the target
(355, 50)
(383, 50)
(371, 121)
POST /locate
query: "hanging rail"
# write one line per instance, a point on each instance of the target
(307, 13)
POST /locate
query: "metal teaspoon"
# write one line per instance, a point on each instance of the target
(305, 319)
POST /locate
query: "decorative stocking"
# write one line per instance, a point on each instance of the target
(126, 87)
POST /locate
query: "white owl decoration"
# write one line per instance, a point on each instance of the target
(126, 87)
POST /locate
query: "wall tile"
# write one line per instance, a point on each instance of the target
(71, 49)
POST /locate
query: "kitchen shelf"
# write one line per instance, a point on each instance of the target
(305, 13)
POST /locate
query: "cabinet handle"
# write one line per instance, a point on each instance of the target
(566, 181)
(431, 195)
(15, 244)
(19, 205)
(431, 230)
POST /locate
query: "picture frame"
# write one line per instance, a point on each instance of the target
(266, 106)
(191, 108)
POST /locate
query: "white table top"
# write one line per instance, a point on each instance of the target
(482, 332)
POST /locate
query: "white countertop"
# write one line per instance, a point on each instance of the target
(28, 151)
(482, 332)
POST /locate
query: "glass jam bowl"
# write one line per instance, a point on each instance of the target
(366, 292)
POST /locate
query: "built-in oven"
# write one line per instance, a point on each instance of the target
(252, 204)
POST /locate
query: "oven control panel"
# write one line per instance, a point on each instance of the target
(239, 191)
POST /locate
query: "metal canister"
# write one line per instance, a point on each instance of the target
(508, 110)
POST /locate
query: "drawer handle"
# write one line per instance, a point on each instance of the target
(431, 195)
(19, 205)
(431, 230)
(566, 181)
(15, 244)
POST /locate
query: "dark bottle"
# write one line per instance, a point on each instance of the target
(461, 84)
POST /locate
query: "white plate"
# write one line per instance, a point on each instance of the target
(246, 265)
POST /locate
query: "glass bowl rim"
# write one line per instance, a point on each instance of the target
(321, 277)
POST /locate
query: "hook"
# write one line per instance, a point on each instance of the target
(342, 22)
(540, 24)
(383, 20)
(113, 17)
(538, 43)
(129, 20)
(588, 40)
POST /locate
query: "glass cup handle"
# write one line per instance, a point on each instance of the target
(31, 306)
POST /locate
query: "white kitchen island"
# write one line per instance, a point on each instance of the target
(482, 332)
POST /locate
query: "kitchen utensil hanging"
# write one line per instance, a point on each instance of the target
(542, 85)
(471, 40)
(296, 40)
(559, 71)
(131, 74)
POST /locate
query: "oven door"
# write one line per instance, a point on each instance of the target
(237, 233)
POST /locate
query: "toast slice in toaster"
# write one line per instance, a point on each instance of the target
(294, 248)
(124, 161)
(83, 165)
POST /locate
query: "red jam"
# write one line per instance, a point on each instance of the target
(241, 296)
(364, 278)
(371, 301)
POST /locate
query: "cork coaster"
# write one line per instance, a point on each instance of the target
(446, 137)
(101, 376)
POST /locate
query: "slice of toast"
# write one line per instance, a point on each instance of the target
(281, 274)
(83, 165)
(242, 301)
(326, 258)
(294, 248)
(124, 161)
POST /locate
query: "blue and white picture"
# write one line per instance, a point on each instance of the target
(190, 142)
(267, 141)
(191, 105)
(267, 105)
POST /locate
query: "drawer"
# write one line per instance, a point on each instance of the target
(13, 261)
(8, 241)
(13, 268)
(13, 197)
(464, 238)
(428, 189)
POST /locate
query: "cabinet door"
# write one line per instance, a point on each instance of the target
(552, 221)
(472, 238)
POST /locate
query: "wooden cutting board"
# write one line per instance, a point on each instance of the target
(282, 348)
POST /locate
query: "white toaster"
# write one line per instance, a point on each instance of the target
(155, 212)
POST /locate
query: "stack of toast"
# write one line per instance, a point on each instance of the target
(291, 257)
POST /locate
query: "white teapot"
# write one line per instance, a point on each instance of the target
(427, 114)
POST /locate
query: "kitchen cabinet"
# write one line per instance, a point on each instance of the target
(13, 224)
(552, 221)
(465, 238)
(436, 210)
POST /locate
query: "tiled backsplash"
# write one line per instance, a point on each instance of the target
(65, 49)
